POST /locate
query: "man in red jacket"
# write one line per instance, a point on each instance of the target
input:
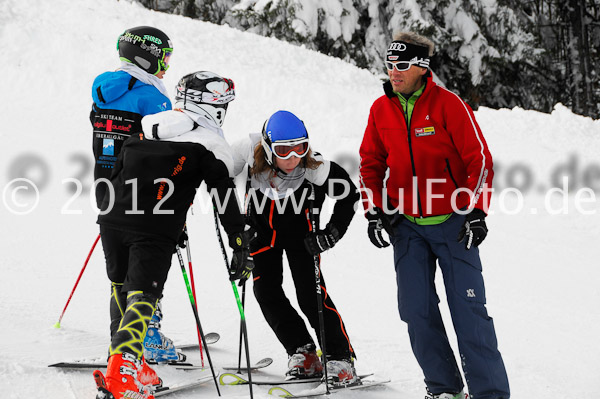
(433, 206)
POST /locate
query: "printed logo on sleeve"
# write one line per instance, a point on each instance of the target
(424, 131)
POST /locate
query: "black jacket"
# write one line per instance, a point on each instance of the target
(280, 222)
(155, 183)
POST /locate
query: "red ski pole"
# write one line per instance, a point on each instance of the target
(189, 256)
(57, 325)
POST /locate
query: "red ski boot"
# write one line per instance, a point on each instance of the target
(121, 381)
(147, 376)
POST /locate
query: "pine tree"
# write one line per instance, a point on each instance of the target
(497, 53)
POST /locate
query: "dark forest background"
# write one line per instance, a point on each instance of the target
(494, 53)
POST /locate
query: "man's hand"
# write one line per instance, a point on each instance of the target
(474, 231)
(241, 262)
(378, 221)
(322, 240)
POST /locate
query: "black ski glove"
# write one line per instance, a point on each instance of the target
(241, 262)
(183, 238)
(378, 221)
(322, 240)
(474, 230)
(181, 241)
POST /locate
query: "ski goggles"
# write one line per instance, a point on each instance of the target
(402, 55)
(405, 65)
(285, 150)
(400, 66)
(164, 62)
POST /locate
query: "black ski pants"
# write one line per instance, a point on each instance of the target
(138, 261)
(287, 324)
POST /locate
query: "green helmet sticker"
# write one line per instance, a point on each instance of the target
(153, 39)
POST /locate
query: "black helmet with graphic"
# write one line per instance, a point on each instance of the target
(147, 47)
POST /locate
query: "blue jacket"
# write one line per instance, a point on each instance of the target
(111, 90)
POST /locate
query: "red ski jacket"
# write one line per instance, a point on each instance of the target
(439, 153)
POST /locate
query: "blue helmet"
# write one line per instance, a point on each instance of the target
(284, 135)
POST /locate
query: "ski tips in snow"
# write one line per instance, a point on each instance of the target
(319, 391)
(211, 338)
(235, 379)
(280, 392)
(262, 363)
(231, 379)
(257, 366)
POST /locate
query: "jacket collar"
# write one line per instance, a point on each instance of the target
(387, 89)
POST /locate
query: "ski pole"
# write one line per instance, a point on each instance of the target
(57, 325)
(247, 212)
(195, 310)
(241, 329)
(189, 257)
(237, 298)
(317, 261)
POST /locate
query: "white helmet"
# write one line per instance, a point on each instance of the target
(205, 93)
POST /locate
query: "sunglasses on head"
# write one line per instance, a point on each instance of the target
(287, 150)
(400, 65)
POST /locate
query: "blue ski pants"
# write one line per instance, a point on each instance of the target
(417, 249)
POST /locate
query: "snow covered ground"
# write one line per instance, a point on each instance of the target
(540, 263)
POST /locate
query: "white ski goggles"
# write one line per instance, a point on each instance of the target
(405, 65)
(285, 150)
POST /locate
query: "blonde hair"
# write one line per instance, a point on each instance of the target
(413, 38)
(261, 164)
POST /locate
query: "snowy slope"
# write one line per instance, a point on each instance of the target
(540, 267)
